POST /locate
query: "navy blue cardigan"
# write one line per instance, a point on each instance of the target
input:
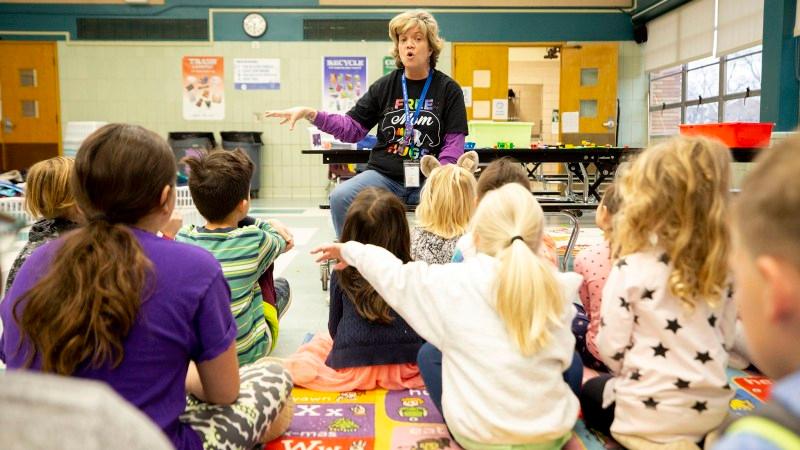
(359, 343)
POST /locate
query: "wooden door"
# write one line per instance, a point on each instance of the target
(30, 127)
(484, 69)
(528, 104)
(589, 87)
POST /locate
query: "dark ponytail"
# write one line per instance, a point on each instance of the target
(375, 217)
(83, 308)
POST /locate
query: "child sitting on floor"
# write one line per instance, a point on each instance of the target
(47, 197)
(667, 318)
(220, 186)
(111, 301)
(367, 345)
(501, 319)
(766, 263)
(594, 264)
(445, 207)
(498, 173)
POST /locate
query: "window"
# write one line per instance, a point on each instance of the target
(27, 77)
(702, 79)
(30, 108)
(589, 77)
(726, 89)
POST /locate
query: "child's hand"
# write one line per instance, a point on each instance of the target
(283, 230)
(171, 228)
(292, 115)
(331, 251)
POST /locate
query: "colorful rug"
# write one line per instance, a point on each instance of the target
(408, 420)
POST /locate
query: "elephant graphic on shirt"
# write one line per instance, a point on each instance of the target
(394, 124)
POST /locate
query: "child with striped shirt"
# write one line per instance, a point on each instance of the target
(220, 186)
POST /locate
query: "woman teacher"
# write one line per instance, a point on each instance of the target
(418, 109)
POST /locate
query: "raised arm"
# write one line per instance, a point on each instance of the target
(410, 289)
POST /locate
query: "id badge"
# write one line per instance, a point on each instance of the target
(411, 174)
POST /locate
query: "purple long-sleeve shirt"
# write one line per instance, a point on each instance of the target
(347, 129)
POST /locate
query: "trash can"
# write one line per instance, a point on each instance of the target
(189, 143)
(251, 143)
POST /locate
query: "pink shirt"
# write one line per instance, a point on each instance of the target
(594, 265)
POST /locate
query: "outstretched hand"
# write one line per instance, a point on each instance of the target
(331, 251)
(292, 115)
(285, 233)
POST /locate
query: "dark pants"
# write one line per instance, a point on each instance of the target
(429, 360)
(580, 324)
(595, 416)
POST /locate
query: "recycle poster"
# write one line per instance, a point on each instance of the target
(344, 80)
(203, 88)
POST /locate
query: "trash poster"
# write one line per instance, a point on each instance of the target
(203, 88)
(344, 80)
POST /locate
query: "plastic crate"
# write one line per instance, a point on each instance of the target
(733, 134)
(185, 205)
(15, 207)
(486, 134)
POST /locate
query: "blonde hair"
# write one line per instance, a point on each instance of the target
(767, 210)
(529, 300)
(403, 22)
(675, 197)
(47, 190)
(447, 201)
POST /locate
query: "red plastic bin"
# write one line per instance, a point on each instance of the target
(733, 134)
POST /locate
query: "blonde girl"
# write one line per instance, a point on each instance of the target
(667, 315)
(49, 199)
(506, 340)
(446, 206)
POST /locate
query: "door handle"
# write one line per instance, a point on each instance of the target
(8, 125)
(610, 123)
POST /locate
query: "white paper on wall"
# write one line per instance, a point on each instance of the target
(570, 122)
(467, 96)
(481, 109)
(500, 109)
(481, 78)
(256, 73)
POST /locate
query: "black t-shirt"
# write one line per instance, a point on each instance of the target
(443, 112)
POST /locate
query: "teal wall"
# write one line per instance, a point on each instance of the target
(779, 85)
(288, 26)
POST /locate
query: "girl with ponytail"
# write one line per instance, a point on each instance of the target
(501, 319)
(112, 301)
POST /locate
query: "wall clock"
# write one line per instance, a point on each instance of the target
(254, 25)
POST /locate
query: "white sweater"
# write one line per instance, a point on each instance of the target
(669, 361)
(491, 393)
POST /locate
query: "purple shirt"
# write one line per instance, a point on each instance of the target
(188, 317)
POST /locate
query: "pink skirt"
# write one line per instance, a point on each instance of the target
(308, 369)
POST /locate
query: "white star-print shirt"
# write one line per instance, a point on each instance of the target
(669, 362)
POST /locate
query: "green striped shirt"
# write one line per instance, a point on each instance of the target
(244, 254)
